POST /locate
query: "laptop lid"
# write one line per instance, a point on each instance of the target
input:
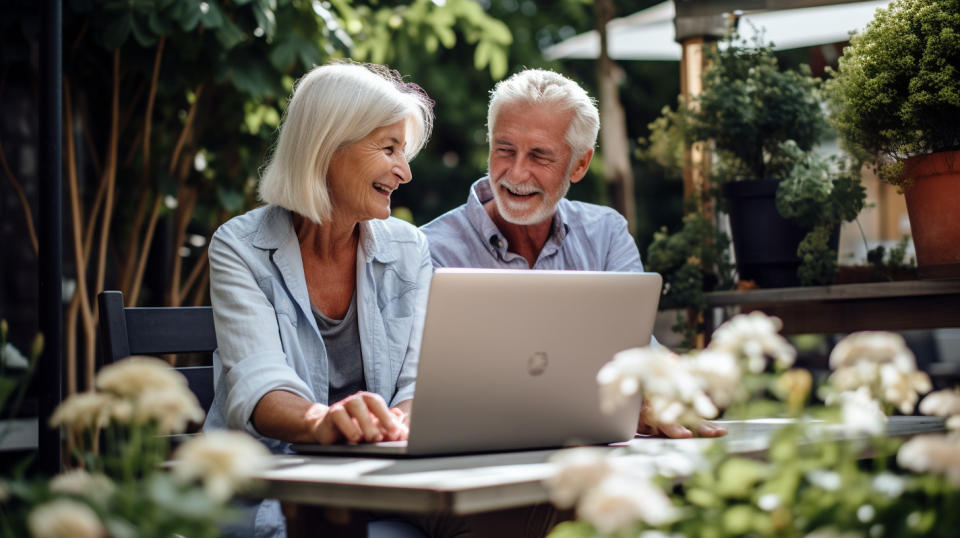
(509, 359)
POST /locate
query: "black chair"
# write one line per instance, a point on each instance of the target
(126, 331)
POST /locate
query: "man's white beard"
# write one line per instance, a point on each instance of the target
(517, 215)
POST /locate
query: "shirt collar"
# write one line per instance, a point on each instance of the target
(276, 227)
(481, 193)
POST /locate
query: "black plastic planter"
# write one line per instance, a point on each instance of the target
(764, 242)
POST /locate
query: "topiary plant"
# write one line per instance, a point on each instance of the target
(748, 107)
(897, 88)
(818, 193)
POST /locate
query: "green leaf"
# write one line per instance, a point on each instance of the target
(738, 519)
(213, 18)
(498, 62)
(229, 34)
(142, 33)
(266, 20)
(481, 56)
(190, 15)
(115, 31)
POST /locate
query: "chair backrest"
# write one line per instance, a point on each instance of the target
(126, 331)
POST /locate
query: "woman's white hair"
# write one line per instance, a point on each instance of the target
(333, 106)
(541, 87)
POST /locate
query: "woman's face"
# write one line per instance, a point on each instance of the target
(362, 175)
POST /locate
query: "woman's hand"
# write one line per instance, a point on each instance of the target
(359, 418)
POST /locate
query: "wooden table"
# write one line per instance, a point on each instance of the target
(471, 484)
(843, 308)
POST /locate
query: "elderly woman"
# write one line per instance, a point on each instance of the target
(319, 296)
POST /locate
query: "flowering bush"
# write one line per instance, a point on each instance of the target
(815, 478)
(119, 439)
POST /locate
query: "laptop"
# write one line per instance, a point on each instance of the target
(509, 361)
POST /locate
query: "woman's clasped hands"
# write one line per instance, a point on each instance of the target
(362, 417)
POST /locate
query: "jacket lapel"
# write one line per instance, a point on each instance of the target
(276, 234)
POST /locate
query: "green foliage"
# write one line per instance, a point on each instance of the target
(818, 194)
(887, 263)
(818, 261)
(381, 33)
(665, 145)
(749, 106)
(16, 373)
(897, 88)
(692, 260)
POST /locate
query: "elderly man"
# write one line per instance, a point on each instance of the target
(542, 129)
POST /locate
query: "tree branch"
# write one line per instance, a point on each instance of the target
(27, 212)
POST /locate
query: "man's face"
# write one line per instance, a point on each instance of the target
(530, 166)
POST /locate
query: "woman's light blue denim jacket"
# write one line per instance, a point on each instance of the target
(267, 336)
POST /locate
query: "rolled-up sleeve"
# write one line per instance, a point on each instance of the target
(406, 382)
(623, 254)
(248, 338)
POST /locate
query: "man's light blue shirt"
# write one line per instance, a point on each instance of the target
(585, 237)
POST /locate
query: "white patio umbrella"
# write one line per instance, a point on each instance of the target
(649, 34)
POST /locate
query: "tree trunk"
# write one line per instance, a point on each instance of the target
(614, 142)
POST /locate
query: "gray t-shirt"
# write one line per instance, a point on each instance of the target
(341, 337)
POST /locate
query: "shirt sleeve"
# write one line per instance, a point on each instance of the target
(623, 254)
(248, 336)
(406, 382)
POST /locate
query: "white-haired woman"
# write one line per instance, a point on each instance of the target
(319, 296)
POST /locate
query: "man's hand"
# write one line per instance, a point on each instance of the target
(649, 426)
(361, 417)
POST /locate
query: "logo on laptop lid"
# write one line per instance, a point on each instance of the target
(537, 363)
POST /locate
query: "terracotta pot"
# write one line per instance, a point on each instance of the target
(933, 203)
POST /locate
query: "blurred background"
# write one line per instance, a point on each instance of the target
(171, 106)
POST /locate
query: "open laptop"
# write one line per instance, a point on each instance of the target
(509, 361)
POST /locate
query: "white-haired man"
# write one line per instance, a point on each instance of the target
(542, 129)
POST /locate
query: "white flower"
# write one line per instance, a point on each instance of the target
(577, 470)
(769, 502)
(64, 518)
(866, 513)
(135, 375)
(81, 483)
(719, 374)
(902, 388)
(223, 460)
(619, 502)
(874, 346)
(658, 534)
(882, 362)
(752, 337)
(861, 413)
(673, 394)
(889, 484)
(11, 357)
(82, 411)
(826, 480)
(942, 403)
(939, 454)
(172, 408)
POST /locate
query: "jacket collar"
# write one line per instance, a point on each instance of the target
(276, 228)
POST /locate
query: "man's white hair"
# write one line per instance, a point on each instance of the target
(541, 87)
(333, 106)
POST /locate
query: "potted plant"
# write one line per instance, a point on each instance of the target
(692, 260)
(896, 93)
(764, 122)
